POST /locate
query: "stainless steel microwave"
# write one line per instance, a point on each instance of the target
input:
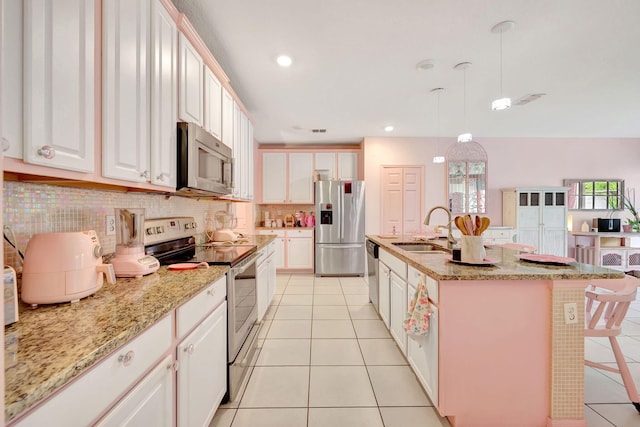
(205, 164)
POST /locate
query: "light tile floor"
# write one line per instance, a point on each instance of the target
(327, 360)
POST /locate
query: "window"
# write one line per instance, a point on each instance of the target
(467, 178)
(595, 194)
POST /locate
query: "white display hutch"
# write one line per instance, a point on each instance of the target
(619, 251)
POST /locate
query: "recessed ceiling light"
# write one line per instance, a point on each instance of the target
(427, 64)
(284, 60)
(388, 128)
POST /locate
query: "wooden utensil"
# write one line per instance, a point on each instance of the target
(459, 221)
(478, 225)
(485, 224)
(468, 223)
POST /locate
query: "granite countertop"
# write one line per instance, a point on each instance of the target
(54, 343)
(506, 267)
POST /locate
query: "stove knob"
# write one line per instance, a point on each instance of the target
(187, 226)
(158, 230)
(97, 251)
(193, 225)
(151, 230)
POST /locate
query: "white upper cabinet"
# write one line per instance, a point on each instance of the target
(212, 104)
(348, 166)
(191, 83)
(164, 96)
(325, 165)
(227, 118)
(11, 93)
(274, 177)
(301, 178)
(59, 84)
(125, 90)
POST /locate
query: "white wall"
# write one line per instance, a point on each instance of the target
(512, 162)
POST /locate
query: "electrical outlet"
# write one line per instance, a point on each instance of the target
(570, 313)
(110, 225)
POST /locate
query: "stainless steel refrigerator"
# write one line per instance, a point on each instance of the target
(339, 231)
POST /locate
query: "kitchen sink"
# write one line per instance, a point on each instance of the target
(422, 248)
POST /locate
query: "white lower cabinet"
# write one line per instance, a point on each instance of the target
(266, 278)
(293, 248)
(398, 310)
(384, 276)
(85, 399)
(422, 350)
(299, 249)
(150, 403)
(202, 370)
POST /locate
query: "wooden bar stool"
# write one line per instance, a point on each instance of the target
(605, 309)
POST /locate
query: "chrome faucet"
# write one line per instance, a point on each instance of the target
(452, 241)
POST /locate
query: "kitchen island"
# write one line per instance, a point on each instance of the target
(505, 355)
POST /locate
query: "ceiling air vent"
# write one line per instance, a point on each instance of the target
(528, 98)
(319, 130)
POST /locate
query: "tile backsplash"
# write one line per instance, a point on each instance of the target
(39, 208)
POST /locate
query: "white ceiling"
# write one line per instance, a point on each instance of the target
(354, 67)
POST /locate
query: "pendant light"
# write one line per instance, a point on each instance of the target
(501, 103)
(437, 91)
(464, 137)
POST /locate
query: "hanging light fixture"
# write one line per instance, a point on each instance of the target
(501, 103)
(437, 91)
(464, 137)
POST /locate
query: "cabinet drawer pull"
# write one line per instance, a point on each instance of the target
(127, 358)
(189, 349)
(47, 151)
(211, 292)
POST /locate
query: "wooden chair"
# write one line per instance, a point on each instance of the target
(605, 310)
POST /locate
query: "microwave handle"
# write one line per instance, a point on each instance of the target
(231, 163)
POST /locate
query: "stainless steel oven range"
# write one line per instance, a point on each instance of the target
(172, 240)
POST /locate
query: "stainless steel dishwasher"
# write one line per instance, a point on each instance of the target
(372, 271)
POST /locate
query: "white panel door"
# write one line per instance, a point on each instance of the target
(325, 163)
(212, 104)
(274, 177)
(411, 200)
(191, 82)
(348, 166)
(11, 93)
(150, 403)
(244, 158)
(301, 178)
(59, 84)
(250, 162)
(227, 118)
(279, 253)
(392, 200)
(164, 96)
(202, 372)
(125, 90)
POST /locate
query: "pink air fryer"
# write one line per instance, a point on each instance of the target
(63, 267)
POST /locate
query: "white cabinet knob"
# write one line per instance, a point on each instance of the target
(162, 176)
(144, 175)
(127, 358)
(189, 349)
(211, 292)
(47, 151)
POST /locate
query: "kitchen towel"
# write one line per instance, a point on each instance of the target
(419, 314)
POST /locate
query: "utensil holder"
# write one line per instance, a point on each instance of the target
(472, 249)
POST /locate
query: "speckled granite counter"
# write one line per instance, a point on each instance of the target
(506, 267)
(55, 343)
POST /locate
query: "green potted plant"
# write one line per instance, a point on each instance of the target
(629, 204)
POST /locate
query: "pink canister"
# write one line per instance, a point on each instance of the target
(310, 220)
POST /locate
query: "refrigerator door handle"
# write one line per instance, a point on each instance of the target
(341, 207)
(340, 245)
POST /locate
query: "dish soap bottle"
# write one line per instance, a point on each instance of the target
(585, 227)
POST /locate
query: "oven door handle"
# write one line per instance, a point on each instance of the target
(239, 269)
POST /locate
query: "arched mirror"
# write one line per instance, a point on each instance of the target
(467, 178)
